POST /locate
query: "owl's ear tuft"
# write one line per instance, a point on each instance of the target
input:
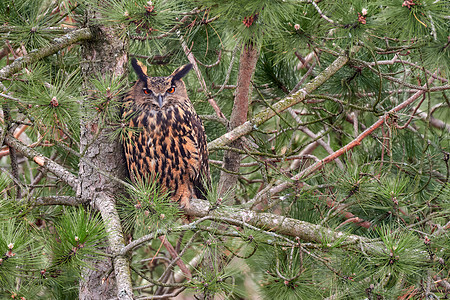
(181, 72)
(140, 69)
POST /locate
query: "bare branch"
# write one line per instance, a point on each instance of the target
(57, 200)
(433, 121)
(60, 172)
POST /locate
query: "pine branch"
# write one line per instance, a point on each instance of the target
(305, 231)
(56, 45)
(356, 142)
(280, 106)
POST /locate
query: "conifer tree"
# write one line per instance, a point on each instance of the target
(328, 129)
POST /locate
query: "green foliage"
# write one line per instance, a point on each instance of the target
(15, 245)
(419, 18)
(29, 21)
(147, 209)
(252, 22)
(221, 281)
(80, 234)
(142, 17)
(47, 259)
(285, 274)
(106, 90)
(403, 255)
(5, 181)
(50, 100)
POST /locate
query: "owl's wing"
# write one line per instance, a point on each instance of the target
(202, 182)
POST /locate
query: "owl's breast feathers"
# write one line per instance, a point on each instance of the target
(169, 145)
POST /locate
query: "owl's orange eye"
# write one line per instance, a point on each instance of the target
(146, 91)
(171, 90)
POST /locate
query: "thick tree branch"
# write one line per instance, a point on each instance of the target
(56, 45)
(305, 231)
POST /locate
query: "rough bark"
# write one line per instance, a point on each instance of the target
(106, 53)
(232, 159)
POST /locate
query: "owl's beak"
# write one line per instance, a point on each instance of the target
(160, 100)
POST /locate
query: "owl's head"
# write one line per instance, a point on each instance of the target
(159, 92)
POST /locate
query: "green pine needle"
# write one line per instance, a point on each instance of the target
(148, 208)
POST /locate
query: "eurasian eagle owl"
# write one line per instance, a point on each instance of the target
(169, 142)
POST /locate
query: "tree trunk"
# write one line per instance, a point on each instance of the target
(106, 53)
(232, 159)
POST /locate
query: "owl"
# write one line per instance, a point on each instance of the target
(169, 141)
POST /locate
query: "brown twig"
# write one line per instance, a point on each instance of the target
(175, 256)
(356, 142)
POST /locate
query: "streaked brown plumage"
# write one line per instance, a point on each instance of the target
(170, 141)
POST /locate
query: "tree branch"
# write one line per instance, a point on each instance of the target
(356, 142)
(56, 45)
(57, 200)
(305, 231)
(433, 121)
(280, 106)
(232, 159)
(43, 161)
(107, 207)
